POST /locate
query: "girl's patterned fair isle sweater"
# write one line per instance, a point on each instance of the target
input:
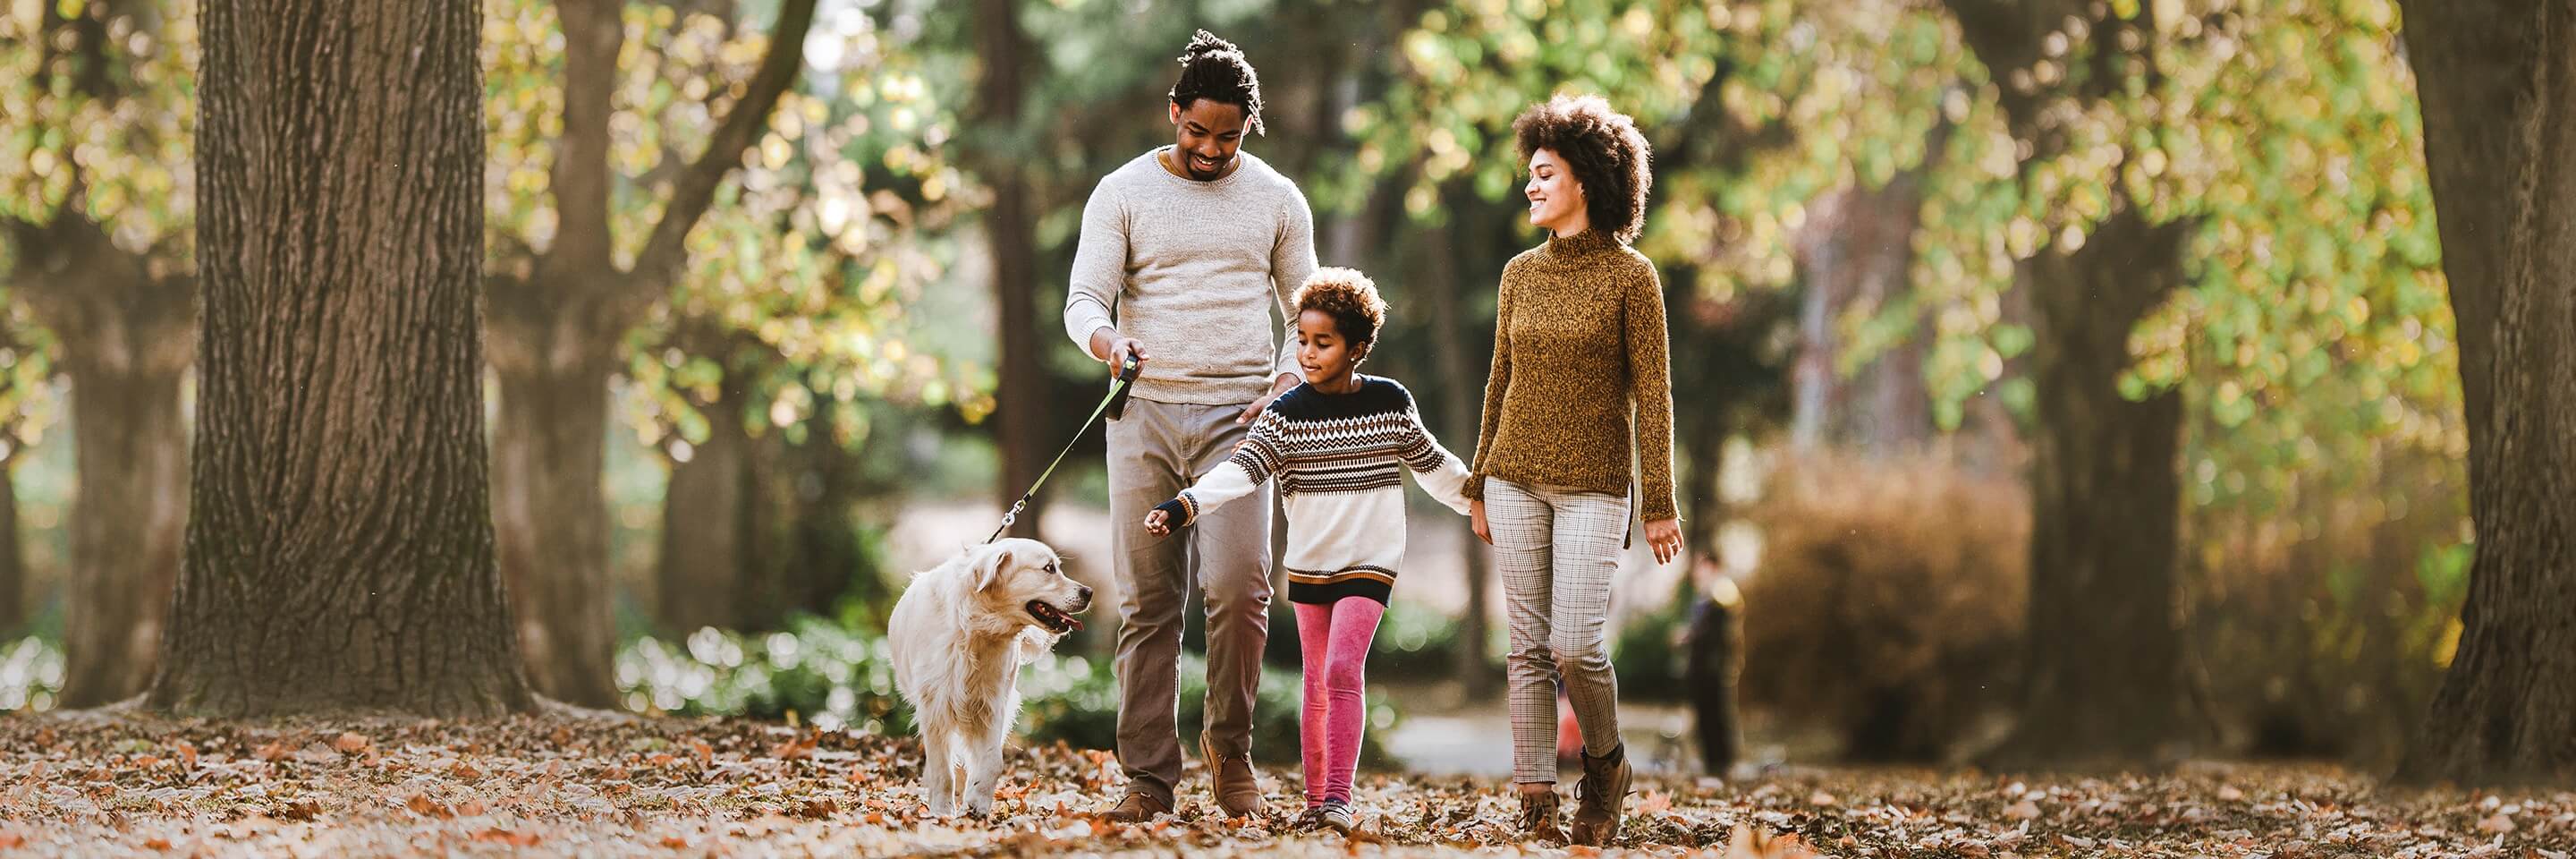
(1340, 460)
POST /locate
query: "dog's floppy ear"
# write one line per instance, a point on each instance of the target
(988, 569)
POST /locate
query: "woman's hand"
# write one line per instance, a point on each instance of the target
(1158, 523)
(1476, 513)
(1666, 536)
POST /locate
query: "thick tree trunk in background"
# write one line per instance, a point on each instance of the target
(550, 515)
(127, 339)
(1020, 416)
(2103, 673)
(555, 332)
(2500, 139)
(1464, 404)
(339, 538)
(127, 524)
(708, 574)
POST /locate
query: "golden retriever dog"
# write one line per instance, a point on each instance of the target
(959, 636)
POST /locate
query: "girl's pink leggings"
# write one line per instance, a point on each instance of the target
(1335, 639)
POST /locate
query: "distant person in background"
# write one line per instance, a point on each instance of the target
(1186, 253)
(1579, 346)
(1713, 648)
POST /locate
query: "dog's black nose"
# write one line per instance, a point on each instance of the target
(1083, 592)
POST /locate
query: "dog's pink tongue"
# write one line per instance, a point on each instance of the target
(1077, 622)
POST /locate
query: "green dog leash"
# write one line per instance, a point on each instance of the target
(1113, 405)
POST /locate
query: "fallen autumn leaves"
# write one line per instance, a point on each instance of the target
(593, 785)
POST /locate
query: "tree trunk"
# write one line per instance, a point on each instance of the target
(339, 542)
(708, 576)
(550, 513)
(1449, 345)
(13, 552)
(2102, 678)
(127, 341)
(127, 523)
(1860, 253)
(1019, 418)
(2500, 139)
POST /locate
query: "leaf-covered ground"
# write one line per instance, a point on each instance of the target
(587, 785)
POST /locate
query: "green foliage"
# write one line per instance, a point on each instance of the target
(31, 674)
(1648, 654)
(839, 677)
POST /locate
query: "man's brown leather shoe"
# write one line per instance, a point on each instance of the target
(1136, 807)
(1230, 777)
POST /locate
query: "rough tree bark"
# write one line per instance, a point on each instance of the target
(2102, 679)
(1020, 415)
(2495, 83)
(554, 344)
(339, 552)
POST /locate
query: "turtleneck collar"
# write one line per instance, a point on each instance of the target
(1580, 244)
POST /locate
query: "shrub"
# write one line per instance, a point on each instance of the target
(31, 674)
(838, 677)
(1888, 604)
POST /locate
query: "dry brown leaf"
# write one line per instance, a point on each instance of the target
(1746, 843)
(1656, 802)
(2023, 810)
(424, 806)
(675, 842)
(350, 743)
(273, 751)
(2230, 793)
(503, 836)
(2496, 825)
(188, 756)
(156, 843)
(1821, 798)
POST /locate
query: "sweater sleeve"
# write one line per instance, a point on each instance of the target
(1292, 260)
(1497, 381)
(1099, 266)
(1650, 388)
(1439, 472)
(1251, 465)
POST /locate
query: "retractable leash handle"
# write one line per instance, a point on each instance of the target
(1113, 405)
(1128, 367)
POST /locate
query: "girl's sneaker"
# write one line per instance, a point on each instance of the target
(1311, 819)
(1341, 817)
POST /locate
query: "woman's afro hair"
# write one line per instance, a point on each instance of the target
(1604, 149)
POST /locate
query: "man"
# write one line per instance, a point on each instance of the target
(1185, 251)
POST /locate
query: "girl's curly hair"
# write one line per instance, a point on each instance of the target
(1214, 69)
(1604, 149)
(1349, 297)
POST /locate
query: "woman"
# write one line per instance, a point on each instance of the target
(1578, 342)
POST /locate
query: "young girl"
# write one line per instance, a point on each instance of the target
(1339, 445)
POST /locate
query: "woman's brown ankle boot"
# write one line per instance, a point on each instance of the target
(1604, 794)
(1538, 815)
